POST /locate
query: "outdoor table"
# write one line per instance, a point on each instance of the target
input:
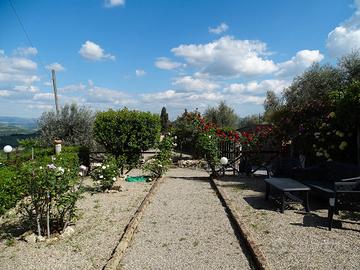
(286, 187)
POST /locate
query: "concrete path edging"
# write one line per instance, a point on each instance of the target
(258, 257)
(127, 236)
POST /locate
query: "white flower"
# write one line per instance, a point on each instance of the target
(107, 166)
(103, 167)
(101, 176)
(175, 137)
(114, 178)
(39, 167)
(61, 170)
(51, 166)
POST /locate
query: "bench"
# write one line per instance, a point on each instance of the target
(287, 187)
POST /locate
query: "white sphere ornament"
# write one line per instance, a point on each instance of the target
(224, 161)
(7, 149)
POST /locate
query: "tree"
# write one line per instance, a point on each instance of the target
(164, 118)
(350, 66)
(126, 133)
(73, 125)
(250, 120)
(222, 116)
(271, 104)
(185, 131)
(314, 84)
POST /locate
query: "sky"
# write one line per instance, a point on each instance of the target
(180, 54)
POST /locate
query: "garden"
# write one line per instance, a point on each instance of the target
(67, 196)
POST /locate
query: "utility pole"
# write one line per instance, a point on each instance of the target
(55, 91)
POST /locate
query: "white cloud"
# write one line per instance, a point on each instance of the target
(97, 94)
(43, 107)
(301, 61)
(219, 29)
(255, 87)
(55, 66)
(93, 51)
(26, 88)
(346, 37)
(43, 96)
(72, 88)
(114, 3)
(27, 51)
(228, 57)
(140, 72)
(189, 83)
(17, 69)
(5, 93)
(166, 63)
(162, 96)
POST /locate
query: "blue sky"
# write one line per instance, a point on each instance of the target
(180, 53)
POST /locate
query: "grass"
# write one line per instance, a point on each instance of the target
(10, 242)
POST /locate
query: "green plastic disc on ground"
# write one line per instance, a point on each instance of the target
(136, 179)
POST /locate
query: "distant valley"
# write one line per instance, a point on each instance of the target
(14, 128)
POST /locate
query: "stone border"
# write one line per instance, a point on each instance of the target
(256, 254)
(129, 231)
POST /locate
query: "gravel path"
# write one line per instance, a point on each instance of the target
(185, 227)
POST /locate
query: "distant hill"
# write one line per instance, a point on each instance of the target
(26, 123)
(13, 129)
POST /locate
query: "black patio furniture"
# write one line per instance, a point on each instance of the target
(338, 182)
(287, 188)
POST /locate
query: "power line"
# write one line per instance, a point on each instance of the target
(21, 24)
(26, 33)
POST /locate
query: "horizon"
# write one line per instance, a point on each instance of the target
(180, 55)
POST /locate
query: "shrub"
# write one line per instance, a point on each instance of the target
(10, 189)
(126, 133)
(105, 175)
(73, 125)
(52, 187)
(160, 163)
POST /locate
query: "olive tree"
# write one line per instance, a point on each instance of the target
(73, 125)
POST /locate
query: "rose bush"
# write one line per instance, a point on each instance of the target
(105, 175)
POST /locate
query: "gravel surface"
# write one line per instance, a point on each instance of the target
(103, 217)
(185, 227)
(295, 239)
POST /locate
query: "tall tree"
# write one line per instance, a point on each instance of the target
(164, 118)
(222, 115)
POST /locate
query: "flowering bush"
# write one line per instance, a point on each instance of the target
(160, 163)
(52, 188)
(105, 175)
(209, 137)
